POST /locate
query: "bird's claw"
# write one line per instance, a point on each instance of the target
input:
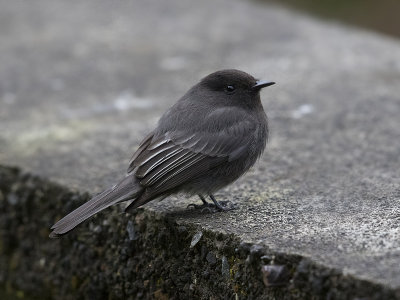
(201, 206)
(225, 206)
(212, 208)
(195, 206)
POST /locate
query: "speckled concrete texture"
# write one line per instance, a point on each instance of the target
(145, 255)
(82, 82)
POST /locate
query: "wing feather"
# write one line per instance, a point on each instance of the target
(165, 161)
(143, 145)
(156, 160)
(146, 156)
(175, 177)
(167, 167)
(197, 166)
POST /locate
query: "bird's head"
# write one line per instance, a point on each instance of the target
(233, 87)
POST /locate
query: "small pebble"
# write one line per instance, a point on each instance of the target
(196, 238)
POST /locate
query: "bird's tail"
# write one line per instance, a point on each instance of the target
(127, 189)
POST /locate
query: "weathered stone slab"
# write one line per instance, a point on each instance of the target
(82, 83)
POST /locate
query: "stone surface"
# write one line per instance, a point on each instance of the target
(102, 261)
(81, 83)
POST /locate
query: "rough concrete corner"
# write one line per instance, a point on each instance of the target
(145, 255)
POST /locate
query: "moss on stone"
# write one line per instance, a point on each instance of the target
(100, 260)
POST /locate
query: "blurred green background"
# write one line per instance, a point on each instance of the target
(379, 15)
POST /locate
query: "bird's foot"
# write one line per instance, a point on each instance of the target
(224, 205)
(204, 206)
(212, 207)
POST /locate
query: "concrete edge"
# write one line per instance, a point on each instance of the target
(145, 255)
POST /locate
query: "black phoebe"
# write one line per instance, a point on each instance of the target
(204, 142)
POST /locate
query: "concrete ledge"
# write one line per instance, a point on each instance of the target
(145, 255)
(82, 82)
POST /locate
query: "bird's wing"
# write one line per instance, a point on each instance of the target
(142, 147)
(167, 161)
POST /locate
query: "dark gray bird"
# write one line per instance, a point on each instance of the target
(204, 142)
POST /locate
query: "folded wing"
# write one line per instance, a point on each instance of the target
(166, 161)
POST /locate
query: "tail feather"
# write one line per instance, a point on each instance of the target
(127, 189)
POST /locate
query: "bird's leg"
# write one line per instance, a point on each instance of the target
(204, 205)
(210, 207)
(203, 199)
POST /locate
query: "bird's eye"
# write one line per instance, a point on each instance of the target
(229, 89)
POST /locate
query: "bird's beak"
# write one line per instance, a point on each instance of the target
(261, 84)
